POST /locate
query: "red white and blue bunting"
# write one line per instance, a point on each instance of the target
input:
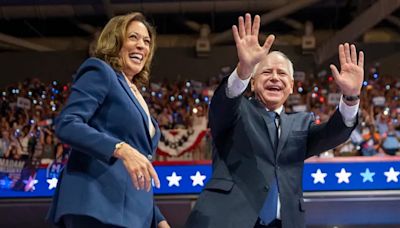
(176, 142)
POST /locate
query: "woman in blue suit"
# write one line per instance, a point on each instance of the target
(108, 179)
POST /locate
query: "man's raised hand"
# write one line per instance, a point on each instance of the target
(249, 50)
(351, 75)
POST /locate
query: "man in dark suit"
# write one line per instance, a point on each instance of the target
(258, 149)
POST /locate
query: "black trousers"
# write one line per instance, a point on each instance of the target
(274, 224)
(83, 221)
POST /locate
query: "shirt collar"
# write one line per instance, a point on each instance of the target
(278, 110)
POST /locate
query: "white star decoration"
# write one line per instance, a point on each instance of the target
(367, 176)
(30, 184)
(319, 176)
(198, 179)
(343, 176)
(52, 183)
(391, 175)
(173, 179)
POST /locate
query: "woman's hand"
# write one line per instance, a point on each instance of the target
(138, 166)
(163, 224)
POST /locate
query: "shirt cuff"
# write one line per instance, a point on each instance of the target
(349, 113)
(236, 86)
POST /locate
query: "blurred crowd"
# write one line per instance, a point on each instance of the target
(28, 110)
(378, 131)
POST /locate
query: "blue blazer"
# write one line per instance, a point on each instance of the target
(101, 112)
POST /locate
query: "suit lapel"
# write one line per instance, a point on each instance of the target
(145, 119)
(270, 123)
(286, 126)
(157, 135)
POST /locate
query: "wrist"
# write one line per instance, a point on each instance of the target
(244, 72)
(351, 100)
(118, 152)
(354, 97)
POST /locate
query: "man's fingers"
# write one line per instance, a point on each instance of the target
(256, 26)
(353, 54)
(154, 175)
(361, 59)
(347, 52)
(268, 43)
(242, 32)
(235, 33)
(335, 72)
(342, 57)
(247, 23)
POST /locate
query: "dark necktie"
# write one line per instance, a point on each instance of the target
(275, 135)
(269, 210)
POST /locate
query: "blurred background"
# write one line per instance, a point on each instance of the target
(42, 43)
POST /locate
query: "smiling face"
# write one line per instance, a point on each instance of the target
(135, 49)
(273, 80)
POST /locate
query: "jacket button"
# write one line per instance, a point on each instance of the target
(266, 188)
(150, 157)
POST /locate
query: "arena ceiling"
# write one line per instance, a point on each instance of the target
(45, 25)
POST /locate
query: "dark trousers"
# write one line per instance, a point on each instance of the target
(274, 224)
(83, 221)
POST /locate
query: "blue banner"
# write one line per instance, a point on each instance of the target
(351, 176)
(28, 180)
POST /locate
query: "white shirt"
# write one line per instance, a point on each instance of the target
(237, 86)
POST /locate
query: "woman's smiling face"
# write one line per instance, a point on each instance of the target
(135, 49)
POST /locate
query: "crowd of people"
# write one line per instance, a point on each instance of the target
(378, 131)
(28, 110)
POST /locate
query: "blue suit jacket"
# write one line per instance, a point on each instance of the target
(102, 111)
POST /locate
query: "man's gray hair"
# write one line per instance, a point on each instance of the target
(290, 64)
